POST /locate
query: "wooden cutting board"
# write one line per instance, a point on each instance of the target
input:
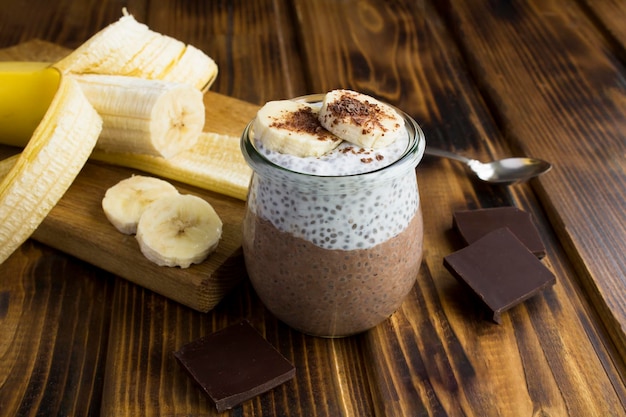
(77, 225)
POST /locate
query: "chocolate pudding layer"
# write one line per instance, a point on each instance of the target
(331, 292)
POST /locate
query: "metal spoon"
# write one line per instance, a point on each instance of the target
(504, 171)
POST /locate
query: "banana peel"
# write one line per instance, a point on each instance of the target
(214, 162)
(26, 91)
(37, 179)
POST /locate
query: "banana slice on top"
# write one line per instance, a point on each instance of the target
(125, 202)
(360, 119)
(178, 230)
(293, 128)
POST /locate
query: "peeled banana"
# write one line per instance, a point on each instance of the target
(49, 110)
(26, 91)
(127, 47)
(151, 117)
(6, 165)
(360, 119)
(124, 203)
(214, 163)
(156, 57)
(142, 91)
(38, 178)
(178, 230)
(293, 128)
(194, 67)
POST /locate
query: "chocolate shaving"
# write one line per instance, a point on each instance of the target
(303, 121)
(359, 113)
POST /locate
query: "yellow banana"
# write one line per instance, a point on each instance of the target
(152, 117)
(26, 90)
(44, 109)
(214, 163)
(40, 175)
(7, 164)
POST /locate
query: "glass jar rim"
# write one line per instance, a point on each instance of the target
(411, 156)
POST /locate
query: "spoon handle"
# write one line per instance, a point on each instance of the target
(446, 154)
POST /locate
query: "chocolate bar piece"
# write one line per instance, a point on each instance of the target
(500, 270)
(474, 224)
(234, 365)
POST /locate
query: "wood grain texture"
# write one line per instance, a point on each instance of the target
(545, 79)
(77, 226)
(437, 356)
(608, 15)
(54, 334)
(144, 379)
(431, 354)
(260, 62)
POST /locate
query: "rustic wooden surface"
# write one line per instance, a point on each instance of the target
(486, 78)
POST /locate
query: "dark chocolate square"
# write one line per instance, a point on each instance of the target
(474, 224)
(234, 365)
(500, 270)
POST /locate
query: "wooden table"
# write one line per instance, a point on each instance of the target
(485, 78)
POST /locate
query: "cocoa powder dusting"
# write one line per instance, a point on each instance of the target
(360, 113)
(303, 121)
(362, 151)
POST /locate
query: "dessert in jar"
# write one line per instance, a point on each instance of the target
(333, 231)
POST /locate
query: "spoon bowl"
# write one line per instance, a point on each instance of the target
(504, 171)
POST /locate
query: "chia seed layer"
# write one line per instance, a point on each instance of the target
(348, 213)
(330, 292)
(350, 218)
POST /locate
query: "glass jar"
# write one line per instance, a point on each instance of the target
(333, 256)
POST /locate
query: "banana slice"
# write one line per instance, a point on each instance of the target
(178, 230)
(360, 119)
(293, 128)
(125, 202)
